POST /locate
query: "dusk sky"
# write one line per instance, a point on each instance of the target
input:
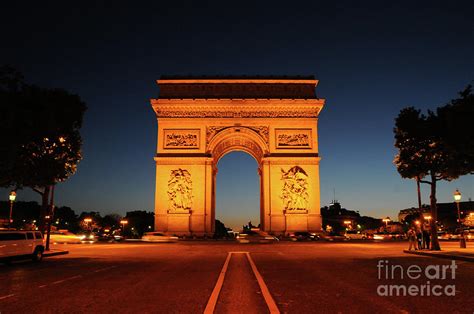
(370, 61)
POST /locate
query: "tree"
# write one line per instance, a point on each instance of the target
(111, 221)
(39, 129)
(430, 151)
(141, 221)
(66, 218)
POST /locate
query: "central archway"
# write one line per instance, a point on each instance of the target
(202, 119)
(238, 138)
(238, 191)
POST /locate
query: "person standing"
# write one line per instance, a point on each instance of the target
(412, 239)
(426, 239)
(419, 238)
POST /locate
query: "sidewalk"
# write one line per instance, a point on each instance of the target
(54, 252)
(449, 250)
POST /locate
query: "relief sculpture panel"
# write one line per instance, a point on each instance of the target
(295, 189)
(181, 138)
(293, 138)
(180, 190)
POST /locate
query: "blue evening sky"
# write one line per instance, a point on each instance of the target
(372, 59)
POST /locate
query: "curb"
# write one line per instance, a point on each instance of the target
(441, 255)
(54, 253)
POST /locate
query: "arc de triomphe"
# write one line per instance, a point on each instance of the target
(200, 119)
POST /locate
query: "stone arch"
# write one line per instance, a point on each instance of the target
(237, 138)
(200, 119)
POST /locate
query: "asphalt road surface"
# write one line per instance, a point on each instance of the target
(189, 277)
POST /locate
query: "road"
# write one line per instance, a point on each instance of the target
(184, 277)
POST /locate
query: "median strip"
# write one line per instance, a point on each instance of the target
(211, 304)
(272, 307)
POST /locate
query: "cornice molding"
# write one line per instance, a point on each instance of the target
(230, 108)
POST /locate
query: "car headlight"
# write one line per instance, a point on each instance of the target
(82, 237)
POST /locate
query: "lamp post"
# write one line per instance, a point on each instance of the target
(386, 220)
(123, 222)
(457, 198)
(348, 224)
(88, 221)
(12, 198)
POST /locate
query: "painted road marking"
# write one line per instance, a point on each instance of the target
(7, 296)
(211, 304)
(102, 269)
(66, 279)
(272, 307)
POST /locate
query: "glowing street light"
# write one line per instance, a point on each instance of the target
(123, 222)
(457, 198)
(386, 220)
(88, 221)
(12, 198)
(348, 224)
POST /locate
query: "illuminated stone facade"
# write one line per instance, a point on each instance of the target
(202, 119)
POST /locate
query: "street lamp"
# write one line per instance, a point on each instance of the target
(386, 220)
(12, 198)
(457, 198)
(123, 222)
(348, 224)
(88, 221)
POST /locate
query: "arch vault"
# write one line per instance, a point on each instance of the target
(202, 119)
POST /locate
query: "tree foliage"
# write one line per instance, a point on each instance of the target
(437, 146)
(39, 132)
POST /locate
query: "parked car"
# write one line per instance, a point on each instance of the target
(256, 237)
(21, 245)
(64, 236)
(158, 237)
(304, 236)
(355, 235)
(332, 237)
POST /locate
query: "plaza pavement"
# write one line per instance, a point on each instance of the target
(181, 277)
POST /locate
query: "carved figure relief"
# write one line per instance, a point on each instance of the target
(180, 188)
(295, 189)
(181, 138)
(293, 138)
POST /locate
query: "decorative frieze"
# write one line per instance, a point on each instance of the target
(263, 131)
(310, 113)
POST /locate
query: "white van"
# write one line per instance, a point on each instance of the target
(21, 244)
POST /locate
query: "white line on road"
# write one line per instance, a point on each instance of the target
(7, 296)
(211, 304)
(66, 279)
(102, 269)
(272, 307)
